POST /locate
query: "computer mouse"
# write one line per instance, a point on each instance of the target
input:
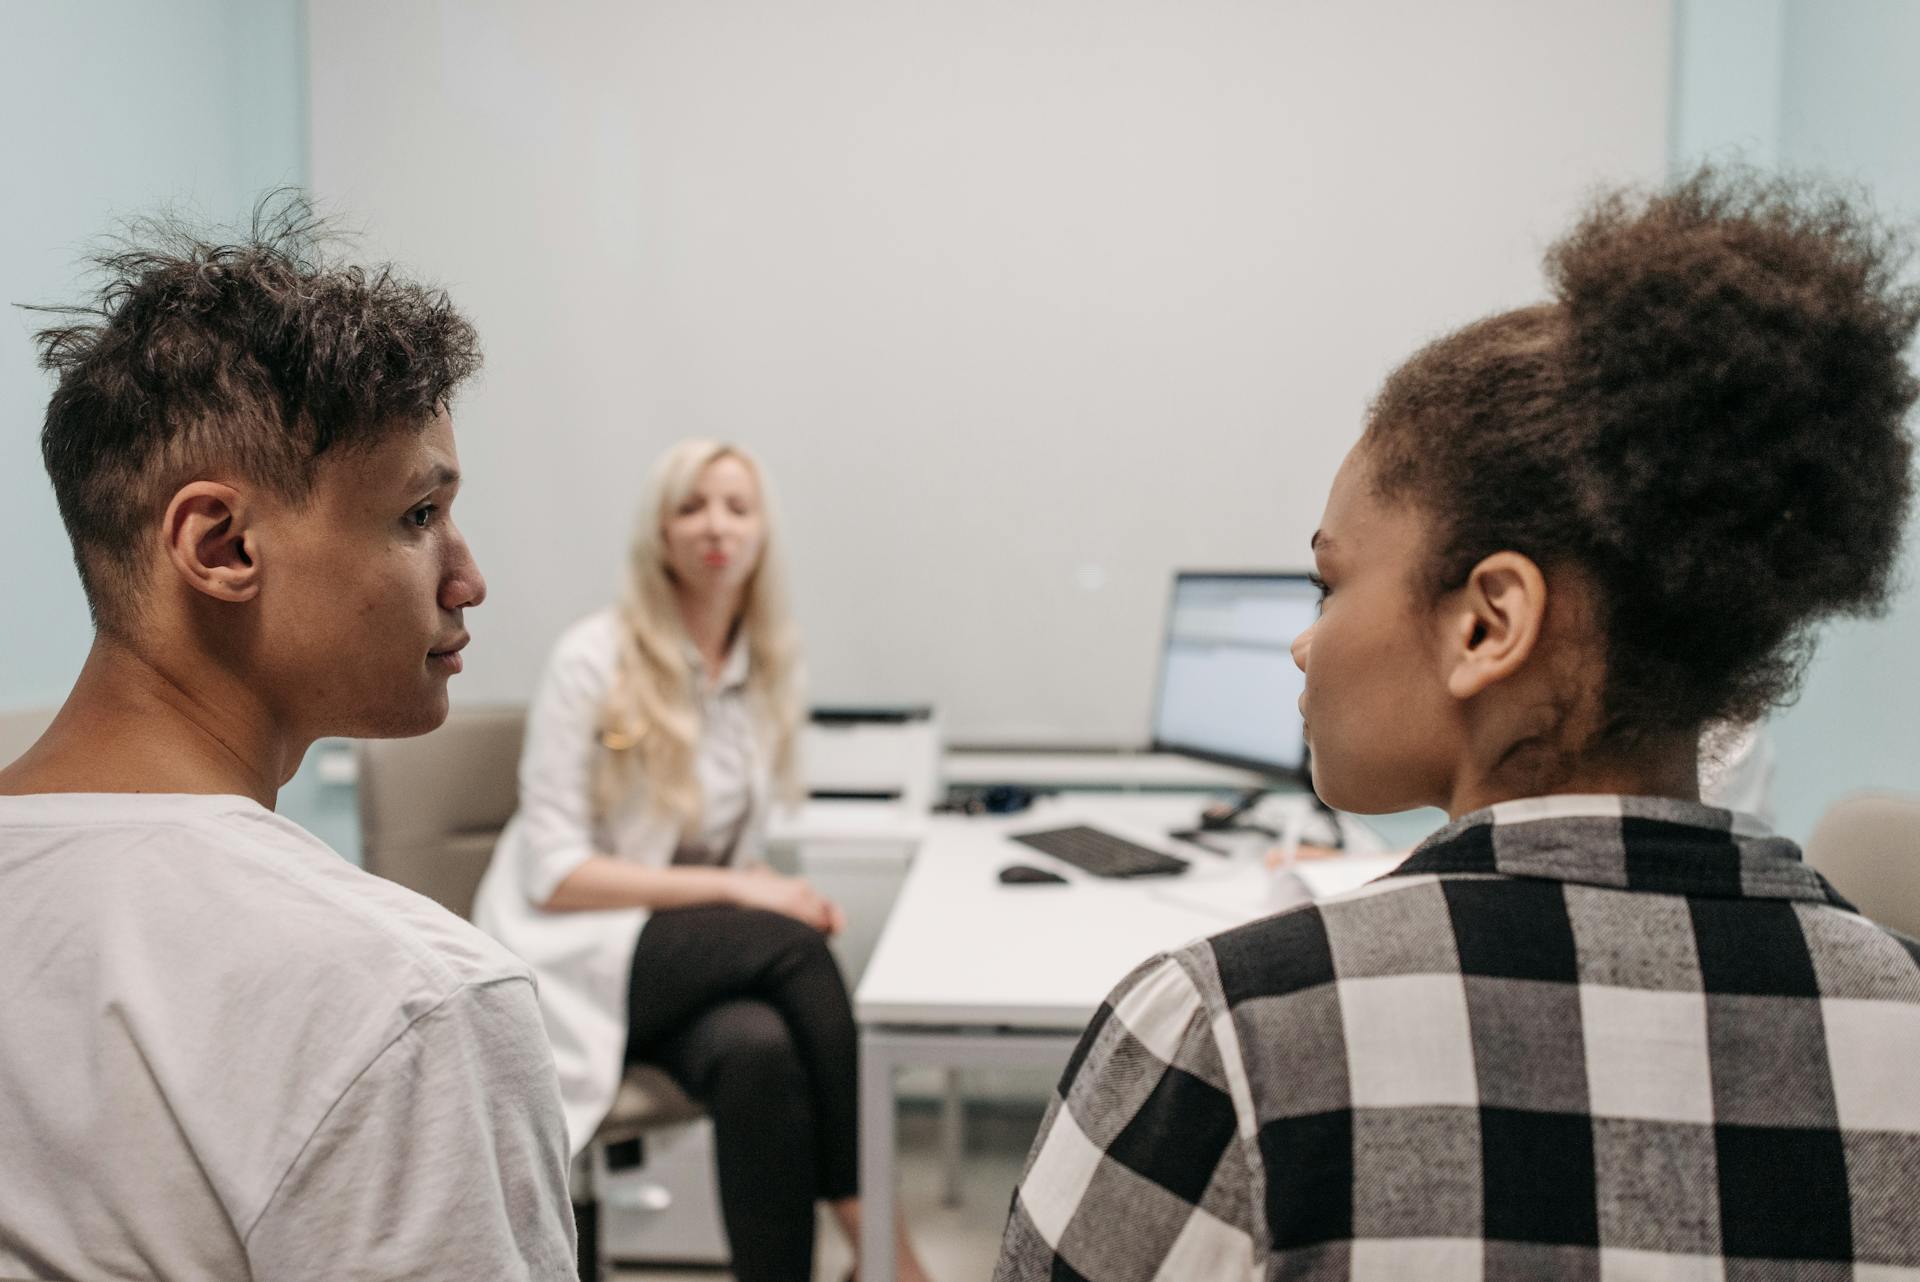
(1028, 875)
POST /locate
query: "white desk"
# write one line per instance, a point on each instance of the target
(970, 972)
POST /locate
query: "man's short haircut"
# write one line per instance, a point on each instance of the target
(246, 361)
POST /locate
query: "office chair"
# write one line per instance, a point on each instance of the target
(431, 809)
(1868, 846)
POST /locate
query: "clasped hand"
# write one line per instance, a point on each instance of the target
(758, 886)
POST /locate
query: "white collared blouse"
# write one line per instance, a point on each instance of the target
(582, 960)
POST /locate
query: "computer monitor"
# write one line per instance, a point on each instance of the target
(1229, 691)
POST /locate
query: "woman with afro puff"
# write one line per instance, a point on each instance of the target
(1594, 1027)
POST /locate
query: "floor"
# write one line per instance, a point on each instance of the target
(957, 1244)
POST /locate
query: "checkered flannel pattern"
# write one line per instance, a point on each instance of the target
(1572, 1037)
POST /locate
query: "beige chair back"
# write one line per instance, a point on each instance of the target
(431, 808)
(18, 730)
(1868, 846)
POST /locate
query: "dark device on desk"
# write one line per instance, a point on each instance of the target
(1224, 816)
(1028, 875)
(1101, 853)
(987, 799)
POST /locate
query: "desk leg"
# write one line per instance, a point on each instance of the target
(953, 1139)
(883, 1050)
(877, 1151)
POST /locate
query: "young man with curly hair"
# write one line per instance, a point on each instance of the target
(225, 1052)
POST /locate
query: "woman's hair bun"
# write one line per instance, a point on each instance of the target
(1740, 346)
(1735, 345)
(1708, 420)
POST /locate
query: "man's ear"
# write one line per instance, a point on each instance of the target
(1493, 623)
(212, 542)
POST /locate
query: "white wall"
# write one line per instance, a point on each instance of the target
(1025, 304)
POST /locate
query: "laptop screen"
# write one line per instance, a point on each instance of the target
(1229, 690)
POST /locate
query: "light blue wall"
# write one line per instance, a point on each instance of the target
(1727, 70)
(115, 108)
(1827, 85)
(112, 107)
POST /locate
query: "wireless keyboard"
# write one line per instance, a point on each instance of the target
(1102, 853)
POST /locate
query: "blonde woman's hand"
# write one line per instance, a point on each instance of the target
(757, 886)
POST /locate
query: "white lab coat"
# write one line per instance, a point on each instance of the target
(581, 960)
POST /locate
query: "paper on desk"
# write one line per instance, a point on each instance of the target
(1231, 896)
(1241, 894)
(1325, 878)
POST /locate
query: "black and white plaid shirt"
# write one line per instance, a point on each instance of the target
(1569, 1037)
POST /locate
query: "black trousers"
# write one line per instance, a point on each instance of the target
(747, 1011)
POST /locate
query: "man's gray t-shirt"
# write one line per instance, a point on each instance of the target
(226, 1053)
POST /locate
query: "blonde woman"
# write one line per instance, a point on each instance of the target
(661, 731)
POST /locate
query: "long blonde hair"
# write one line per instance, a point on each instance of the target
(650, 723)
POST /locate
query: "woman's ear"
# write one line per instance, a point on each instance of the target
(211, 541)
(1493, 623)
